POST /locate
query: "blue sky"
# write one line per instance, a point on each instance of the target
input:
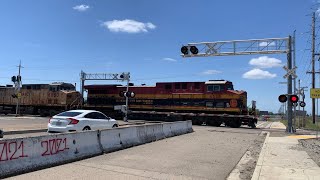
(55, 40)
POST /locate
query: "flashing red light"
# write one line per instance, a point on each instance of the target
(294, 98)
(73, 121)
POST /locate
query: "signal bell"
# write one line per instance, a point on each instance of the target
(302, 104)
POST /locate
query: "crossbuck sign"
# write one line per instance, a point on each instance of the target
(291, 72)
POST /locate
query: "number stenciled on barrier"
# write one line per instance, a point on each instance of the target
(11, 150)
(54, 146)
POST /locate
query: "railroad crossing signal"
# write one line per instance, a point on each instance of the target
(293, 98)
(291, 72)
(184, 50)
(128, 94)
(282, 98)
(193, 50)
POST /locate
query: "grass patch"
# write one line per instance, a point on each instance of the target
(308, 125)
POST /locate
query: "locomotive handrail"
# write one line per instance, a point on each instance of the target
(78, 97)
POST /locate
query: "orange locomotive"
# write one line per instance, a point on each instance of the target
(213, 102)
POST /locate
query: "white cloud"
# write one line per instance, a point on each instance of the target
(128, 26)
(258, 74)
(266, 44)
(169, 59)
(81, 7)
(318, 11)
(265, 62)
(211, 72)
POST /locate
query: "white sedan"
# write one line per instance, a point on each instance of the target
(80, 120)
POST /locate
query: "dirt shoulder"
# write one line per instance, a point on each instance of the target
(312, 147)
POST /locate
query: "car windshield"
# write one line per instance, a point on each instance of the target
(69, 114)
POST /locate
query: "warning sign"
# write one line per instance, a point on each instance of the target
(315, 93)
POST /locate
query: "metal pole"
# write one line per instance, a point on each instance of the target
(82, 79)
(304, 115)
(299, 93)
(289, 103)
(18, 90)
(285, 110)
(294, 82)
(127, 98)
(317, 119)
(313, 71)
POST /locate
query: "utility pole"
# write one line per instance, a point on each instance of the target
(18, 85)
(313, 68)
(289, 103)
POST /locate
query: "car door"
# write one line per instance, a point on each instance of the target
(91, 119)
(103, 121)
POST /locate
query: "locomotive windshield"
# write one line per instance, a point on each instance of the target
(218, 87)
(230, 87)
(61, 86)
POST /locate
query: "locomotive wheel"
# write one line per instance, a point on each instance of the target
(253, 126)
(214, 123)
(235, 123)
(217, 123)
(196, 122)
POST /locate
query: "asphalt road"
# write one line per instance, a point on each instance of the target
(12, 123)
(207, 153)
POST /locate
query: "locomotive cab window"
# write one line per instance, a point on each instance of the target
(177, 86)
(168, 86)
(212, 88)
(196, 85)
(230, 87)
(220, 104)
(184, 85)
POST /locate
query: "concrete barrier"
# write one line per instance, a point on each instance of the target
(177, 128)
(121, 138)
(31, 153)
